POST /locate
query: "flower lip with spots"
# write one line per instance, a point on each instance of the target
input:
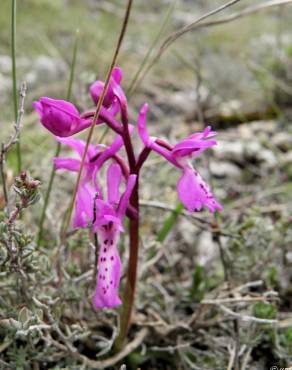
(108, 225)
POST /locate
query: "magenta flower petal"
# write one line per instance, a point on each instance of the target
(115, 107)
(142, 127)
(124, 201)
(69, 164)
(106, 215)
(103, 208)
(79, 145)
(59, 116)
(195, 144)
(194, 193)
(109, 271)
(96, 90)
(117, 74)
(114, 178)
(113, 91)
(38, 108)
(83, 213)
(76, 144)
(111, 150)
(206, 134)
(191, 147)
(150, 141)
(116, 221)
(120, 95)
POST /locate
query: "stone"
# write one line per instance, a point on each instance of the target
(47, 68)
(231, 150)
(224, 169)
(207, 250)
(283, 141)
(5, 64)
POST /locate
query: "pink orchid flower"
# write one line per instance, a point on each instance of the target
(83, 213)
(62, 118)
(108, 225)
(115, 98)
(192, 190)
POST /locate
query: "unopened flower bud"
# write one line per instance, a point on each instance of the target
(22, 175)
(34, 184)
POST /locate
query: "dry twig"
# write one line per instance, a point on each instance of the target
(5, 147)
(200, 222)
(246, 317)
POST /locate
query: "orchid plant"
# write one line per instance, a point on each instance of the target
(104, 215)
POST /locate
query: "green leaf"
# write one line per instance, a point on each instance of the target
(265, 310)
(24, 315)
(169, 223)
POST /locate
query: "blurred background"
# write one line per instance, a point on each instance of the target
(226, 74)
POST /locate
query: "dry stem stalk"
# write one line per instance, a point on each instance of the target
(5, 147)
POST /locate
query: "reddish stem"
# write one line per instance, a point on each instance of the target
(164, 144)
(122, 164)
(129, 294)
(142, 158)
(106, 117)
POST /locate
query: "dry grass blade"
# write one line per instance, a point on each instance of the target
(14, 77)
(246, 317)
(175, 35)
(5, 147)
(248, 11)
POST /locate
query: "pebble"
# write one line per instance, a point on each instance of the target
(224, 169)
(283, 141)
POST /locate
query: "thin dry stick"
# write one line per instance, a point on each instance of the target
(129, 348)
(199, 24)
(96, 115)
(246, 359)
(95, 364)
(231, 359)
(95, 239)
(13, 140)
(246, 317)
(239, 300)
(200, 222)
(14, 79)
